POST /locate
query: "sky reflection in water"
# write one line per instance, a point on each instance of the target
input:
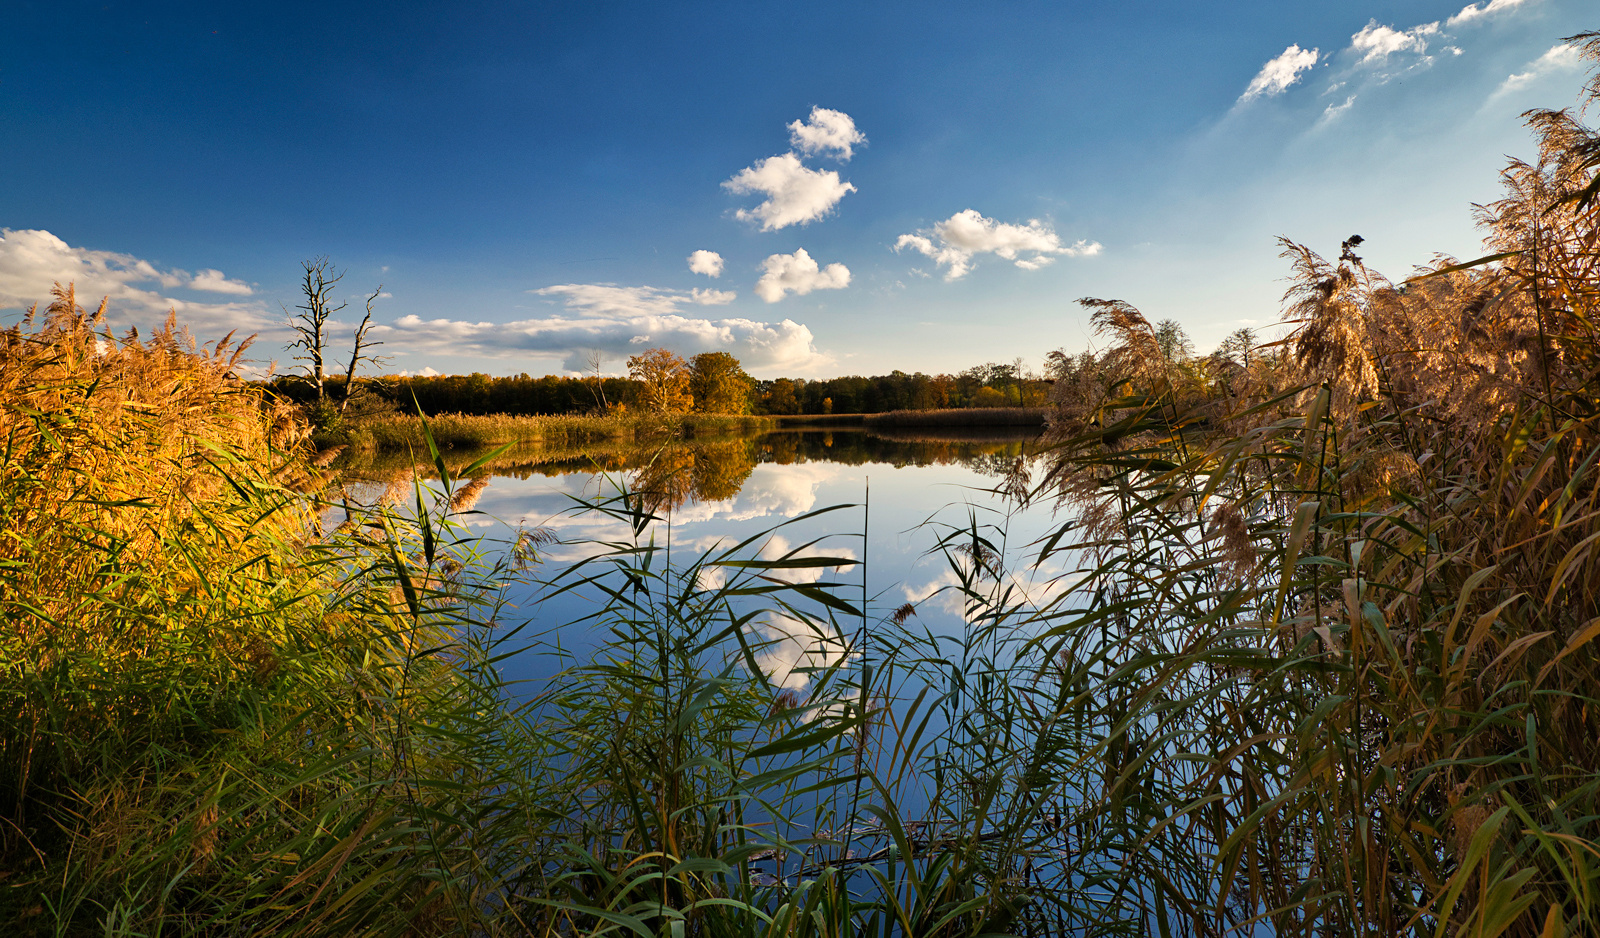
(714, 495)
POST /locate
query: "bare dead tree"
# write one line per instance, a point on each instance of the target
(361, 351)
(312, 320)
(594, 359)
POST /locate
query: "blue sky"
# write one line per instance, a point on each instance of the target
(922, 186)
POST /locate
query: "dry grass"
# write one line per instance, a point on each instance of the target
(961, 417)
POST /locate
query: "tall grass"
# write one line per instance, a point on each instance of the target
(1353, 589)
(216, 720)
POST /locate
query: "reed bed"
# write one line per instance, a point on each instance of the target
(962, 417)
(1345, 595)
(803, 421)
(465, 431)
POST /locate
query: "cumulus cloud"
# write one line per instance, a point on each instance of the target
(1559, 58)
(214, 281)
(1375, 42)
(706, 262)
(1278, 74)
(797, 273)
(954, 242)
(32, 260)
(1473, 11)
(617, 320)
(712, 297)
(795, 194)
(826, 132)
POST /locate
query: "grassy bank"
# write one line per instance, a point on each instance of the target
(399, 432)
(963, 417)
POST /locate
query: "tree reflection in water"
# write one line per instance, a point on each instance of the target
(673, 472)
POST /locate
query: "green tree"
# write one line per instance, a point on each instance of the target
(718, 384)
(1175, 344)
(1239, 346)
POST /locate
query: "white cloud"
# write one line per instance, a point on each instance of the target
(1277, 75)
(32, 260)
(706, 262)
(1332, 111)
(795, 195)
(1474, 11)
(955, 241)
(1375, 43)
(797, 273)
(214, 281)
(1559, 58)
(826, 131)
(712, 297)
(619, 321)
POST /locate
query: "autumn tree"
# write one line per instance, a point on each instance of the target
(781, 399)
(663, 381)
(719, 384)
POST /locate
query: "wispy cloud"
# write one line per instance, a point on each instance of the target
(954, 242)
(616, 320)
(826, 132)
(706, 262)
(797, 273)
(1280, 73)
(1333, 111)
(795, 194)
(1486, 8)
(32, 260)
(1558, 58)
(1376, 42)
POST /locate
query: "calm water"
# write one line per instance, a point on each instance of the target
(905, 493)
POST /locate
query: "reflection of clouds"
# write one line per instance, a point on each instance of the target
(710, 579)
(778, 547)
(790, 648)
(771, 491)
(782, 490)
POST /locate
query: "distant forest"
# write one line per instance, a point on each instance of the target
(986, 385)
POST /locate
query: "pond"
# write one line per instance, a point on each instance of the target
(919, 739)
(895, 496)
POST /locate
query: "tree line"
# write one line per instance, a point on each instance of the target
(662, 382)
